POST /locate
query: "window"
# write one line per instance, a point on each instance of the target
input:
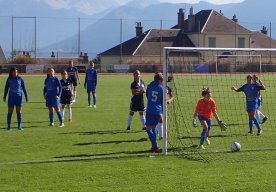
(212, 41)
(241, 42)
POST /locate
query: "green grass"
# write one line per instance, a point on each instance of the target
(94, 153)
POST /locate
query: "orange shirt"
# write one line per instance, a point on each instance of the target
(206, 109)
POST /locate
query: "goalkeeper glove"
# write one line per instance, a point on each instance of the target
(222, 125)
(194, 123)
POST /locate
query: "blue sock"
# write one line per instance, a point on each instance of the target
(19, 120)
(89, 99)
(250, 122)
(257, 123)
(59, 117)
(9, 117)
(51, 117)
(203, 136)
(94, 100)
(152, 138)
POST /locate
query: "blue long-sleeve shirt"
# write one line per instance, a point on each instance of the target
(52, 87)
(15, 86)
(91, 77)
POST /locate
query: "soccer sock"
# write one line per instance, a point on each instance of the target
(9, 117)
(258, 115)
(257, 123)
(70, 113)
(152, 138)
(75, 95)
(143, 120)
(62, 111)
(159, 127)
(89, 99)
(19, 119)
(51, 117)
(203, 136)
(129, 120)
(94, 99)
(250, 122)
(59, 117)
(261, 115)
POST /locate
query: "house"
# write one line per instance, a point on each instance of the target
(207, 28)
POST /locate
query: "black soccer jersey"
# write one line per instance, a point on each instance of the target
(72, 72)
(137, 86)
(66, 85)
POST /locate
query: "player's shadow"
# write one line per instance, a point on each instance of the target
(112, 142)
(111, 132)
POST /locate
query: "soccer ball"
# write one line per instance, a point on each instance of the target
(235, 147)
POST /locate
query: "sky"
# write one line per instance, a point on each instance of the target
(91, 7)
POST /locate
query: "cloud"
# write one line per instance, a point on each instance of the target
(197, 1)
(59, 4)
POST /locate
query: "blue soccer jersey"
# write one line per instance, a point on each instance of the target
(252, 93)
(14, 86)
(52, 87)
(91, 77)
(155, 98)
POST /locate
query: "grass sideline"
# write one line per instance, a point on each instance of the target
(94, 153)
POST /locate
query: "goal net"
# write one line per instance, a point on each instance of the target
(219, 69)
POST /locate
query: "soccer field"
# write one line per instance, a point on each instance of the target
(95, 153)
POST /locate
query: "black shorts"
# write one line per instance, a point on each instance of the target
(66, 98)
(137, 107)
(75, 83)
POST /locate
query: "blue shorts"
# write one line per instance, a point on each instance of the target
(208, 121)
(152, 119)
(91, 89)
(251, 106)
(15, 100)
(52, 102)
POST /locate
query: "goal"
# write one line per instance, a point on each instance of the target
(219, 69)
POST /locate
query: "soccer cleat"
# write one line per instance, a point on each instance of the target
(128, 129)
(201, 147)
(51, 124)
(160, 138)
(264, 120)
(74, 101)
(70, 120)
(89, 105)
(20, 129)
(9, 129)
(61, 125)
(208, 141)
(155, 150)
(260, 131)
(144, 128)
(250, 132)
(95, 106)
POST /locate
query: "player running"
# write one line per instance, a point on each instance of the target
(260, 101)
(14, 86)
(154, 111)
(90, 83)
(66, 95)
(74, 76)
(251, 91)
(52, 92)
(137, 100)
(205, 109)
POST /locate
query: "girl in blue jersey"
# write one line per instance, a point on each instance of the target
(154, 110)
(251, 91)
(52, 92)
(90, 83)
(14, 86)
